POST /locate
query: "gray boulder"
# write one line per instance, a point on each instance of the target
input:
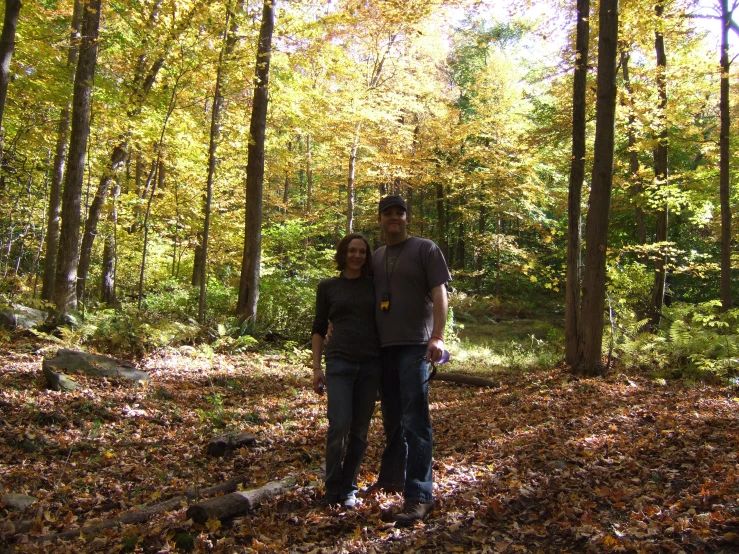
(21, 316)
(93, 365)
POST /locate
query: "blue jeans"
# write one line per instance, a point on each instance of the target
(407, 458)
(352, 393)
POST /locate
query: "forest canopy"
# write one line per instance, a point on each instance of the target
(463, 108)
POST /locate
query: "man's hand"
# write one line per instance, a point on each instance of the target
(435, 349)
(319, 381)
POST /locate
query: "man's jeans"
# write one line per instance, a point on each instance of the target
(407, 458)
(352, 393)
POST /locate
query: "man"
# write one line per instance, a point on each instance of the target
(411, 310)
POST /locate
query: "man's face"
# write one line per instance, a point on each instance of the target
(393, 220)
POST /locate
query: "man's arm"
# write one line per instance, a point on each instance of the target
(441, 307)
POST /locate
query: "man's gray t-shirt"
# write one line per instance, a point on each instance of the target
(409, 271)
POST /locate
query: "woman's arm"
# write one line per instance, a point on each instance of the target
(319, 379)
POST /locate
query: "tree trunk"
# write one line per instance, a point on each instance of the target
(60, 155)
(460, 255)
(65, 281)
(7, 45)
(725, 157)
(197, 262)
(479, 256)
(350, 185)
(660, 172)
(107, 286)
(596, 237)
(118, 161)
(577, 176)
(249, 286)
(230, 32)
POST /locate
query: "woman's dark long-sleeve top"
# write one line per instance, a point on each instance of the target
(350, 305)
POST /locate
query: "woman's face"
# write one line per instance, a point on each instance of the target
(356, 254)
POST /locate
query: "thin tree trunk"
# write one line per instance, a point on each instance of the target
(577, 176)
(660, 172)
(7, 45)
(725, 158)
(230, 31)
(596, 237)
(249, 286)
(479, 256)
(60, 155)
(65, 281)
(460, 246)
(308, 175)
(350, 184)
(93, 217)
(107, 285)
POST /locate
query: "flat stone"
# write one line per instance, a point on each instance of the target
(15, 501)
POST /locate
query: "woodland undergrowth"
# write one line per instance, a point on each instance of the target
(543, 462)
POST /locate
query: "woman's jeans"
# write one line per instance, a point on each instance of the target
(352, 393)
(407, 458)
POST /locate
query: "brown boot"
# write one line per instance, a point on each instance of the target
(413, 512)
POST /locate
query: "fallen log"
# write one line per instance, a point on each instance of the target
(237, 503)
(143, 514)
(464, 379)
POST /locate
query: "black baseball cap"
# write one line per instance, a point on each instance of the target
(393, 200)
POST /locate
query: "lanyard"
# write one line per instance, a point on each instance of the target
(389, 275)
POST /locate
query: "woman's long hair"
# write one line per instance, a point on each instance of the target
(342, 249)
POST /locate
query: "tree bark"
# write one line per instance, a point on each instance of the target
(596, 238)
(660, 171)
(237, 503)
(249, 285)
(107, 285)
(60, 155)
(7, 45)
(724, 162)
(65, 280)
(577, 176)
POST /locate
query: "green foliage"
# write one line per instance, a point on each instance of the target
(696, 341)
(630, 288)
(216, 415)
(286, 307)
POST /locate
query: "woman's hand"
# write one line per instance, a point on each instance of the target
(319, 381)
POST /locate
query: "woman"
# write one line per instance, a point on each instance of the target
(352, 365)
